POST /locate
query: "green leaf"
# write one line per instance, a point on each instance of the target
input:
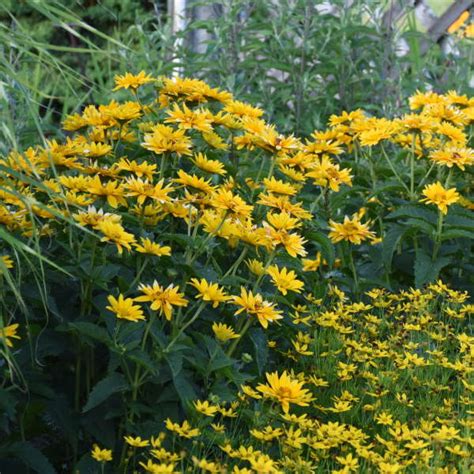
(104, 389)
(416, 212)
(390, 242)
(90, 330)
(427, 270)
(327, 247)
(259, 340)
(32, 457)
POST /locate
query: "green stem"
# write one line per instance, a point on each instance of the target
(235, 342)
(196, 314)
(412, 168)
(354, 272)
(439, 231)
(394, 171)
(236, 264)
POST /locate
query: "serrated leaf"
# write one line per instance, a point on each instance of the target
(416, 212)
(327, 247)
(259, 340)
(32, 457)
(113, 383)
(427, 270)
(90, 330)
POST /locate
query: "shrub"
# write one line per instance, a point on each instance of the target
(176, 246)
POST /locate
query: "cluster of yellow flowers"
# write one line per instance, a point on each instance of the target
(199, 177)
(387, 387)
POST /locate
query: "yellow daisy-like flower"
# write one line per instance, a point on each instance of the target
(165, 139)
(205, 408)
(450, 156)
(209, 292)
(207, 165)
(223, 332)
(351, 230)
(162, 299)
(114, 232)
(184, 430)
(101, 455)
(285, 280)
(152, 248)
(7, 261)
(436, 194)
(255, 305)
(136, 442)
(256, 267)
(9, 332)
(130, 81)
(124, 308)
(286, 390)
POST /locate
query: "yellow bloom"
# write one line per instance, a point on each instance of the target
(351, 230)
(114, 232)
(136, 442)
(195, 182)
(384, 418)
(256, 267)
(132, 81)
(279, 187)
(111, 190)
(286, 390)
(9, 332)
(184, 430)
(210, 166)
(125, 309)
(186, 118)
(255, 305)
(285, 280)
(436, 194)
(223, 332)
(152, 248)
(209, 292)
(101, 455)
(165, 139)
(162, 299)
(7, 261)
(451, 156)
(205, 408)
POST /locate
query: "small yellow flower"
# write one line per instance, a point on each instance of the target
(7, 261)
(351, 230)
(286, 390)
(184, 430)
(9, 332)
(162, 299)
(436, 194)
(285, 280)
(136, 442)
(152, 248)
(209, 292)
(205, 408)
(101, 455)
(223, 332)
(114, 232)
(124, 308)
(131, 81)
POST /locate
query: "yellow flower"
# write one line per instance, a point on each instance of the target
(286, 390)
(279, 187)
(351, 230)
(114, 232)
(165, 139)
(101, 455)
(111, 190)
(195, 182)
(9, 332)
(152, 248)
(162, 468)
(256, 267)
(7, 261)
(125, 309)
(231, 203)
(205, 408)
(186, 118)
(210, 166)
(132, 81)
(223, 332)
(285, 280)
(185, 430)
(255, 305)
(136, 442)
(436, 194)
(384, 418)
(451, 156)
(162, 299)
(209, 292)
